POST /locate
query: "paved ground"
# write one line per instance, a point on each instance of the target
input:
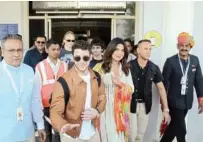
(37, 139)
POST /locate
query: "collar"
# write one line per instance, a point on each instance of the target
(9, 67)
(49, 61)
(189, 56)
(140, 66)
(77, 78)
(97, 60)
(35, 49)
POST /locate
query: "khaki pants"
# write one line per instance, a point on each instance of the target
(139, 122)
(94, 138)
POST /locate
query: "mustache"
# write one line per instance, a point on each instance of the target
(183, 50)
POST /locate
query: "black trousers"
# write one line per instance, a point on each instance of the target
(177, 126)
(48, 129)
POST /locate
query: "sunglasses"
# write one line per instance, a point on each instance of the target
(70, 40)
(78, 58)
(42, 42)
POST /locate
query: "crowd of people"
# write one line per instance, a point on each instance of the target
(85, 91)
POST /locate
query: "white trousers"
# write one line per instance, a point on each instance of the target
(139, 122)
(94, 138)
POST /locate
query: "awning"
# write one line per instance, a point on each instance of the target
(78, 5)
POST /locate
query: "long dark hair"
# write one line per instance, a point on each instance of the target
(112, 46)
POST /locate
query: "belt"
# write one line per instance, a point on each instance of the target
(140, 101)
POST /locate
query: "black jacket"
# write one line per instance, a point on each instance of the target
(33, 57)
(172, 75)
(153, 72)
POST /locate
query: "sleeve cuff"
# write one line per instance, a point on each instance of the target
(40, 126)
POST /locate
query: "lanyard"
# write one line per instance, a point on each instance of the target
(181, 65)
(18, 93)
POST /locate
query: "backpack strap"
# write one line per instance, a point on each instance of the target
(98, 78)
(66, 90)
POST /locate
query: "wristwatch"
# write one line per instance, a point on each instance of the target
(98, 112)
(166, 110)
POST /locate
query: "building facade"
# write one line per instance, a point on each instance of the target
(126, 20)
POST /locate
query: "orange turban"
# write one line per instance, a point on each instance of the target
(186, 38)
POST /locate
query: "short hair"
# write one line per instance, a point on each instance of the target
(40, 36)
(50, 42)
(11, 36)
(143, 40)
(128, 40)
(19, 35)
(81, 44)
(134, 48)
(98, 42)
(67, 33)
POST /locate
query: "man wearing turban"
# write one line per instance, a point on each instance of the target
(181, 73)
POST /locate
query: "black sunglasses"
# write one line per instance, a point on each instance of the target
(78, 58)
(70, 40)
(42, 42)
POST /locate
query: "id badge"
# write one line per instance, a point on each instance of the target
(183, 80)
(19, 113)
(183, 89)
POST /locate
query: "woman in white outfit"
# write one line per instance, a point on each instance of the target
(119, 88)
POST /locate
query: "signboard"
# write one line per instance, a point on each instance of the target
(6, 29)
(154, 37)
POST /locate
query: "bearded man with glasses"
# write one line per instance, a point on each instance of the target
(78, 120)
(36, 53)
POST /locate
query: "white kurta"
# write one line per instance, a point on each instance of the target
(108, 125)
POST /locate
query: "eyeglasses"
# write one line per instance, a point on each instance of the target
(78, 58)
(42, 42)
(68, 40)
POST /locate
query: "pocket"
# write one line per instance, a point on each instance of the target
(151, 77)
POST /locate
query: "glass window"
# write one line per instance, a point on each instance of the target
(93, 28)
(36, 28)
(125, 28)
(130, 8)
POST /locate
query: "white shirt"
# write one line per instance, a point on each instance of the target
(29, 101)
(38, 78)
(54, 67)
(131, 57)
(87, 129)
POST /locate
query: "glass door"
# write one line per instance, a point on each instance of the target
(86, 27)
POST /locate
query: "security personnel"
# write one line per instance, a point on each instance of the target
(47, 71)
(144, 73)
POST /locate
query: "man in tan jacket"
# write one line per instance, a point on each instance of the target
(78, 120)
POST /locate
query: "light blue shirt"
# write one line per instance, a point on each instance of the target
(30, 101)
